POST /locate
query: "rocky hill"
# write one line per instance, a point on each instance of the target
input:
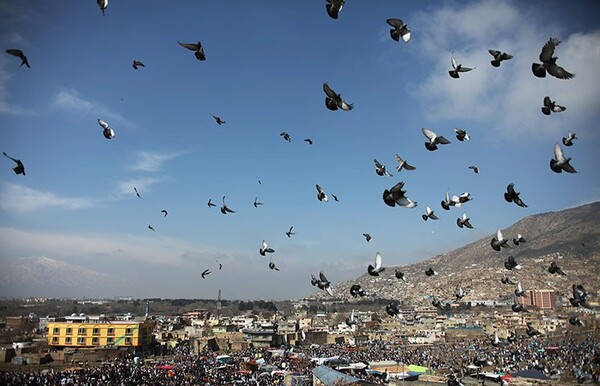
(570, 237)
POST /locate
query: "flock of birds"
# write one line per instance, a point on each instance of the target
(396, 194)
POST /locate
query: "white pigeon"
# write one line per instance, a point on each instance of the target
(429, 214)
(321, 194)
(463, 221)
(375, 270)
(264, 249)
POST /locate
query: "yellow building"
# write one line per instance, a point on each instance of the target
(92, 334)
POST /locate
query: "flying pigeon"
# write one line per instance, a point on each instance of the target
(321, 196)
(532, 331)
(322, 283)
(210, 203)
(136, 64)
(474, 168)
(19, 54)
(334, 7)
(392, 309)
(519, 290)
(461, 134)
(20, 168)
(511, 264)
(136, 192)
(499, 57)
(197, 48)
(205, 273)
(400, 275)
(560, 162)
(554, 268)
(429, 215)
(447, 202)
(218, 119)
(350, 320)
(151, 228)
(402, 164)
(256, 202)
(430, 272)
(335, 198)
(580, 296)
(459, 200)
(517, 306)
(225, 209)
(459, 293)
(568, 140)
(549, 62)
(220, 265)
(286, 136)
(103, 4)
(289, 233)
(395, 196)
(575, 321)
(434, 139)
(551, 107)
(333, 100)
(519, 239)
(164, 212)
(512, 337)
(400, 30)
(463, 221)
(309, 141)
(356, 290)
(272, 266)
(380, 169)
(264, 249)
(375, 270)
(511, 195)
(498, 242)
(367, 237)
(107, 131)
(456, 68)
(507, 280)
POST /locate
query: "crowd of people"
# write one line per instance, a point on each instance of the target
(576, 360)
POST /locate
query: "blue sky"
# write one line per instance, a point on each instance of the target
(266, 63)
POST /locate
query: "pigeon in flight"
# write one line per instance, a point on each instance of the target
(377, 268)
(335, 198)
(380, 169)
(20, 168)
(264, 249)
(272, 266)
(333, 100)
(164, 212)
(225, 209)
(392, 309)
(356, 290)
(197, 48)
(517, 306)
(463, 221)
(463, 198)
(308, 140)
(549, 62)
(459, 293)
(350, 319)
(580, 296)
(430, 272)
(507, 280)
(322, 283)
(550, 106)
(136, 192)
(103, 4)
(447, 202)
(321, 196)
(456, 68)
(519, 239)
(151, 228)
(402, 164)
(137, 64)
(400, 30)
(396, 196)
(367, 237)
(289, 233)
(519, 290)
(205, 273)
(434, 139)
(429, 214)
(498, 242)
(400, 275)
(286, 136)
(511, 195)
(474, 168)
(218, 119)
(554, 268)
(511, 264)
(560, 162)
(461, 134)
(334, 7)
(499, 57)
(210, 203)
(568, 140)
(220, 265)
(575, 321)
(256, 202)
(532, 331)
(496, 341)
(19, 54)
(106, 130)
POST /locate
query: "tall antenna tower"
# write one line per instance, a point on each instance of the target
(219, 305)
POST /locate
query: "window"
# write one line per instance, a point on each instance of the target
(129, 331)
(69, 330)
(95, 341)
(81, 331)
(68, 340)
(127, 340)
(96, 331)
(80, 340)
(56, 330)
(110, 341)
(111, 331)
(55, 340)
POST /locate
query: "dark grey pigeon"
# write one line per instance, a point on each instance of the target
(532, 331)
(434, 139)
(286, 136)
(400, 30)
(549, 62)
(575, 321)
(256, 202)
(568, 140)
(151, 228)
(429, 214)
(272, 266)
(554, 268)
(20, 168)
(499, 57)
(321, 195)
(519, 239)
(498, 242)
(447, 202)
(309, 141)
(461, 134)
(322, 283)
(218, 119)
(335, 198)
(430, 272)
(474, 168)
(380, 169)
(264, 249)
(334, 7)
(210, 203)
(580, 296)
(560, 162)
(225, 209)
(137, 64)
(136, 192)
(205, 273)
(392, 309)
(463, 221)
(517, 306)
(164, 212)
(511, 264)
(197, 48)
(400, 275)
(103, 4)
(367, 237)
(402, 164)
(289, 233)
(550, 107)
(19, 54)
(511, 195)
(396, 196)
(457, 68)
(356, 291)
(333, 100)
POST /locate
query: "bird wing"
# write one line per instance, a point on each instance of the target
(453, 61)
(320, 189)
(560, 72)
(323, 277)
(7, 156)
(548, 50)
(494, 53)
(329, 92)
(396, 23)
(377, 163)
(559, 156)
(103, 123)
(443, 140)
(378, 262)
(429, 134)
(499, 235)
(189, 46)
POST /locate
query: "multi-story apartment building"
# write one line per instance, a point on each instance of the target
(100, 333)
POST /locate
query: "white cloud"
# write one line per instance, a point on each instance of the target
(20, 198)
(152, 161)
